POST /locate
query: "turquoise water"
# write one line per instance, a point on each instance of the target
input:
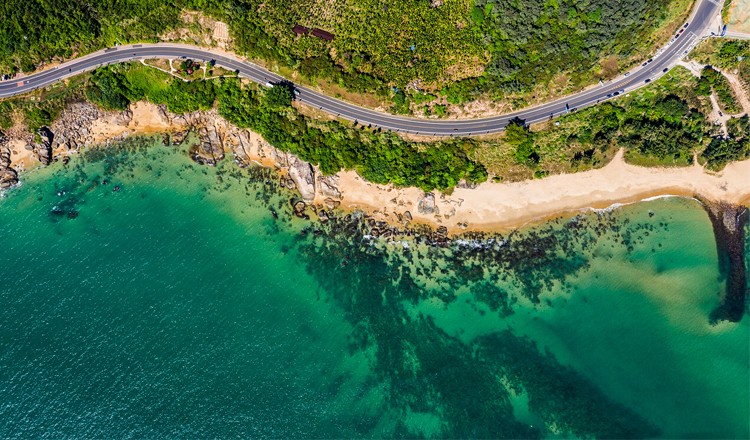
(178, 307)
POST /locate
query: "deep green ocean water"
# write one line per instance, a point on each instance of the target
(177, 307)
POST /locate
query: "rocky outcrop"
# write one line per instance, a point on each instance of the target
(43, 149)
(163, 115)
(123, 119)
(8, 176)
(179, 137)
(328, 187)
(304, 178)
(242, 148)
(729, 231)
(426, 204)
(210, 150)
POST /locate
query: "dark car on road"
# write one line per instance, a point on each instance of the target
(665, 70)
(648, 81)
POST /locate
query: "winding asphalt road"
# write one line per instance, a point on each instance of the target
(702, 16)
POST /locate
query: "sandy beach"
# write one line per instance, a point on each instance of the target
(500, 206)
(490, 206)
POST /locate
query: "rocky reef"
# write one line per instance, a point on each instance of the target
(729, 223)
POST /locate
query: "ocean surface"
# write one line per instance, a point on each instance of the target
(145, 296)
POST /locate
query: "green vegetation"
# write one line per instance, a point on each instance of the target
(378, 157)
(116, 87)
(279, 97)
(396, 42)
(6, 110)
(519, 137)
(738, 127)
(534, 41)
(32, 31)
(663, 124)
(463, 48)
(720, 152)
(712, 80)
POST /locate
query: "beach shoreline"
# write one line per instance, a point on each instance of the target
(489, 206)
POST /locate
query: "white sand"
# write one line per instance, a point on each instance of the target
(502, 206)
(491, 206)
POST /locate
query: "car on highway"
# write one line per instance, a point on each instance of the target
(686, 25)
(616, 93)
(648, 80)
(677, 36)
(665, 70)
(626, 73)
(681, 31)
(269, 85)
(644, 65)
(622, 91)
(609, 96)
(649, 60)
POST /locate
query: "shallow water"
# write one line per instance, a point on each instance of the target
(178, 307)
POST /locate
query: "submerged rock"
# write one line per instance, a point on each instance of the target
(729, 222)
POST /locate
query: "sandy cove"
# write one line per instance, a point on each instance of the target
(489, 206)
(502, 206)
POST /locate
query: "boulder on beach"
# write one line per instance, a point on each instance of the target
(426, 203)
(8, 177)
(210, 150)
(303, 175)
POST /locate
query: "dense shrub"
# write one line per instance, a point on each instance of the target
(378, 157)
(720, 152)
(712, 80)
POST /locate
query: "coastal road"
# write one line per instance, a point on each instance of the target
(703, 14)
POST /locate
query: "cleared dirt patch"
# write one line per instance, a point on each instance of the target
(739, 16)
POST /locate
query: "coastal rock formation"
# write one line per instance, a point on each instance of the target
(179, 137)
(304, 178)
(43, 149)
(123, 119)
(729, 231)
(8, 176)
(328, 187)
(210, 149)
(163, 114)
(242, 148)
(426, 203)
